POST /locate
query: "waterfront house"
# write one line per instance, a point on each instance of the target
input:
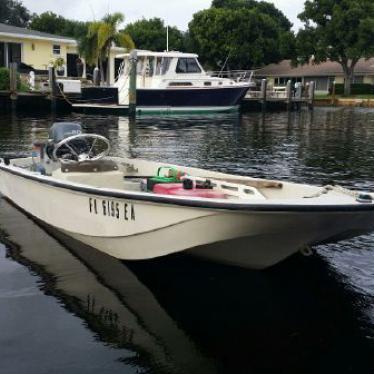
(323, 74)
(38, 49)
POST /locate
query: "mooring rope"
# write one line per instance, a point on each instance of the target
(70, 101)
(330, 188)
(63, 95)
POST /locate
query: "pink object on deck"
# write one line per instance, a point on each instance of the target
(177, 189)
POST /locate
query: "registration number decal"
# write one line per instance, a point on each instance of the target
(111, 208)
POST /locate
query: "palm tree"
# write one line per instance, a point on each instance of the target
(102, 35)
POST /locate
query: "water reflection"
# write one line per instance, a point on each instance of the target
(181, 315)
(304, 146)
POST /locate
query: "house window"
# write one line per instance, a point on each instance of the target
(14, 53)
(358, 79)
(56, 49)
(2, 55)
(10, 52)
(281, 81)
(321, 83)
(187, 65)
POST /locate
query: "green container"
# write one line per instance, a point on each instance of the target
(173, 177)
(172, 172)
(156, 180)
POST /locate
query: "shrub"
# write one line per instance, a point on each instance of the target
(356, 89)
(23, 86)
(4, 79)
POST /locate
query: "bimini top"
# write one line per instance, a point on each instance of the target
(145, 53)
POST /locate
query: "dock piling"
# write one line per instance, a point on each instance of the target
(333, 93)
(264, 84)
(96, 76)
(133, 59)
(312, 87)
(52, 87)
(298, 95)
(13, 84)
(289, 95)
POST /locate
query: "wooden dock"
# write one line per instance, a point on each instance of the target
(281, 97)
(29, 102)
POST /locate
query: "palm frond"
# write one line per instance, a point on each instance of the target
(104, 35)
(124, 40)
(114, 19)
(87, 47)
(101, 36)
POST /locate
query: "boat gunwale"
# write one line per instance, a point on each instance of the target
(189, 88)
(185, 201)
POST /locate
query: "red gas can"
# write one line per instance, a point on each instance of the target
(177, 189)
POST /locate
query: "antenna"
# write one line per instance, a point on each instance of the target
(167, 37)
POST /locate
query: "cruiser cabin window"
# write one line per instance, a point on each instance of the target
(187, 65)
(179, 84)
(162, 65)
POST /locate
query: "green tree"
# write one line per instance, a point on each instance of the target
(12, 12)
(338, 30)
(241, 31)
(263, 6)
(101, 36)
(151, 34)
(58, 25)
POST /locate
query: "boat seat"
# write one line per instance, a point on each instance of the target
(101, 173)
(97, 166)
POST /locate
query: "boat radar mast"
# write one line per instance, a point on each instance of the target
(167, 37)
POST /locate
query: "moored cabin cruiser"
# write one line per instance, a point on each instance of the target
(175, 81)
(134, 209)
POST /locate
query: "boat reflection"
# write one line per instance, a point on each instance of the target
(106, 294)
(182, 315)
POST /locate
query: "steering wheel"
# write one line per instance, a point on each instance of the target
(81, 155)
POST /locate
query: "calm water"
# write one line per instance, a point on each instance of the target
(65, 308)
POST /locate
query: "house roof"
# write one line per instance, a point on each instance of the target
(328, 68)
(13, 31)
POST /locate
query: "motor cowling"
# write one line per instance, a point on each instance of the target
(63, 130)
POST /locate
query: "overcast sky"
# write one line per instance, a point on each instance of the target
(177, 12)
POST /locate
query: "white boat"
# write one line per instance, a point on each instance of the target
(115, 205)
(175, 81)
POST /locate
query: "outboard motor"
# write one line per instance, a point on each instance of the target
(63, 130)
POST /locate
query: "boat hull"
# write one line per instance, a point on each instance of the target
(250, 240)
(191, 99)
(132, 228)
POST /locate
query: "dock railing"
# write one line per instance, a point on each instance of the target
(261, 91)
(290, 92)
(237, 75)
